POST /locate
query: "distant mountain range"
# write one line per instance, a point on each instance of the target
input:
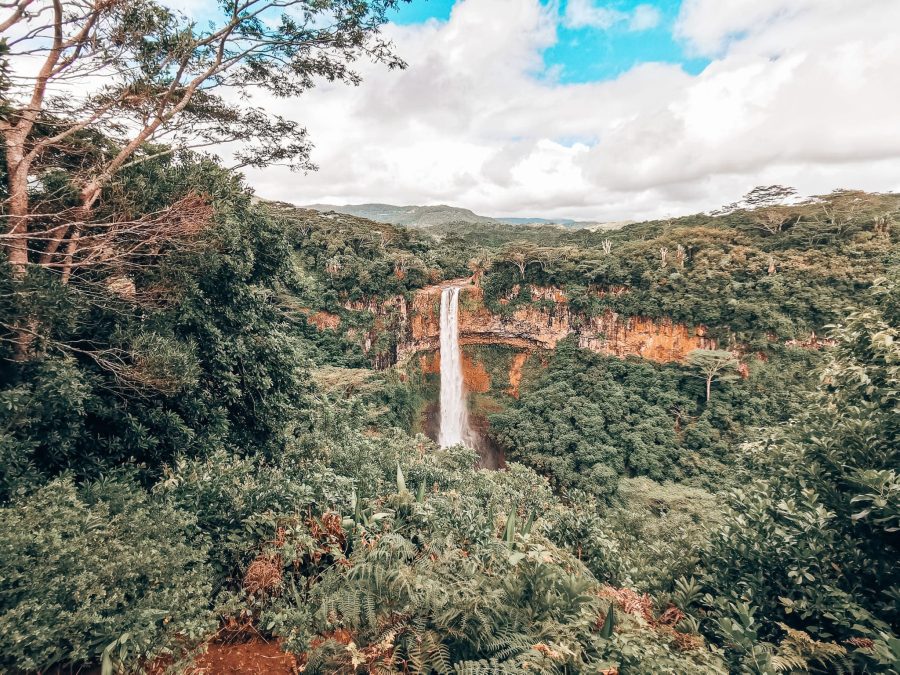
(428, 216)
(411, 216)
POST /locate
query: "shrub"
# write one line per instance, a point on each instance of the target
(436, 582)
(235, 501)
(102, 572)
(659, 530)
(813, 545)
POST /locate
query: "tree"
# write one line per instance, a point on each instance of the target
(521, 254)
(837, 214)
(811, 542)
(765, 205)
(764, 196)
(714, 364)
(478, 264)
(94, 86)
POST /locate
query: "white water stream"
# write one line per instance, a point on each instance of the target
(454, 416)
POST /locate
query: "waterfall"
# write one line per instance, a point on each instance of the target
(454, 417)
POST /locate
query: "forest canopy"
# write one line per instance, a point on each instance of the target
(285, 496)
(208, 437)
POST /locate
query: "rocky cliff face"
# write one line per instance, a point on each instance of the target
(413, 328)
(499, 349)
(542, 325)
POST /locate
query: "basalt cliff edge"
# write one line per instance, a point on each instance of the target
(536, 325)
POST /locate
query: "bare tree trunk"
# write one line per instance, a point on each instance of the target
(89, 197)
(17, 249)
(708, 387)
(15, 137)
(17, 207)
(69, 252)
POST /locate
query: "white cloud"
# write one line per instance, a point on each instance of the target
(644, 17)
(711, 26)
(584, 14)
(799, 92)
(587, 14)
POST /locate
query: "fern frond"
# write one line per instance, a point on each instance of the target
(799, 651)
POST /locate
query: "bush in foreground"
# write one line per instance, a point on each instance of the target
(102, 573)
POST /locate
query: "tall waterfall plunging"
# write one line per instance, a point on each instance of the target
(454, 416)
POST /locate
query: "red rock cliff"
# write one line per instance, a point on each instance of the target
(543, 325)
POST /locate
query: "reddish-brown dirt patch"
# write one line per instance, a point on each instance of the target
(515, 373)
(248, 658)
(430, 363)
(475, 376)
(324, 320)
(251, 657)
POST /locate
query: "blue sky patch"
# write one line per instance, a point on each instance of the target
(590, 53)
(421, 10)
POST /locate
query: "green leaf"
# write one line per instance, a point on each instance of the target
(510, 533)
(608, 623)
(401, 481)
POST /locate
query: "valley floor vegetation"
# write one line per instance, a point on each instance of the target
(205, 433)
(184, 454)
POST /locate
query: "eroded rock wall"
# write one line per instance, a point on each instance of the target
(542, 324)
(402, 328)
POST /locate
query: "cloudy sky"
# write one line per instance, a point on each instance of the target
(602, 110)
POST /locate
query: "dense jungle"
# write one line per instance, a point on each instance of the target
(218, 413)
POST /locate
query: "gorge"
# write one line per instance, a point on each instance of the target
(467, 355)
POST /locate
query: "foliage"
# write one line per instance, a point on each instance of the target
(659, 531)
(196, 357)
(379, 399)
(590, 419)
(233, 498)
(101, 572)
(419, 564)
(813, 545)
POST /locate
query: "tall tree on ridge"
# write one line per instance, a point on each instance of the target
(153, 81)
